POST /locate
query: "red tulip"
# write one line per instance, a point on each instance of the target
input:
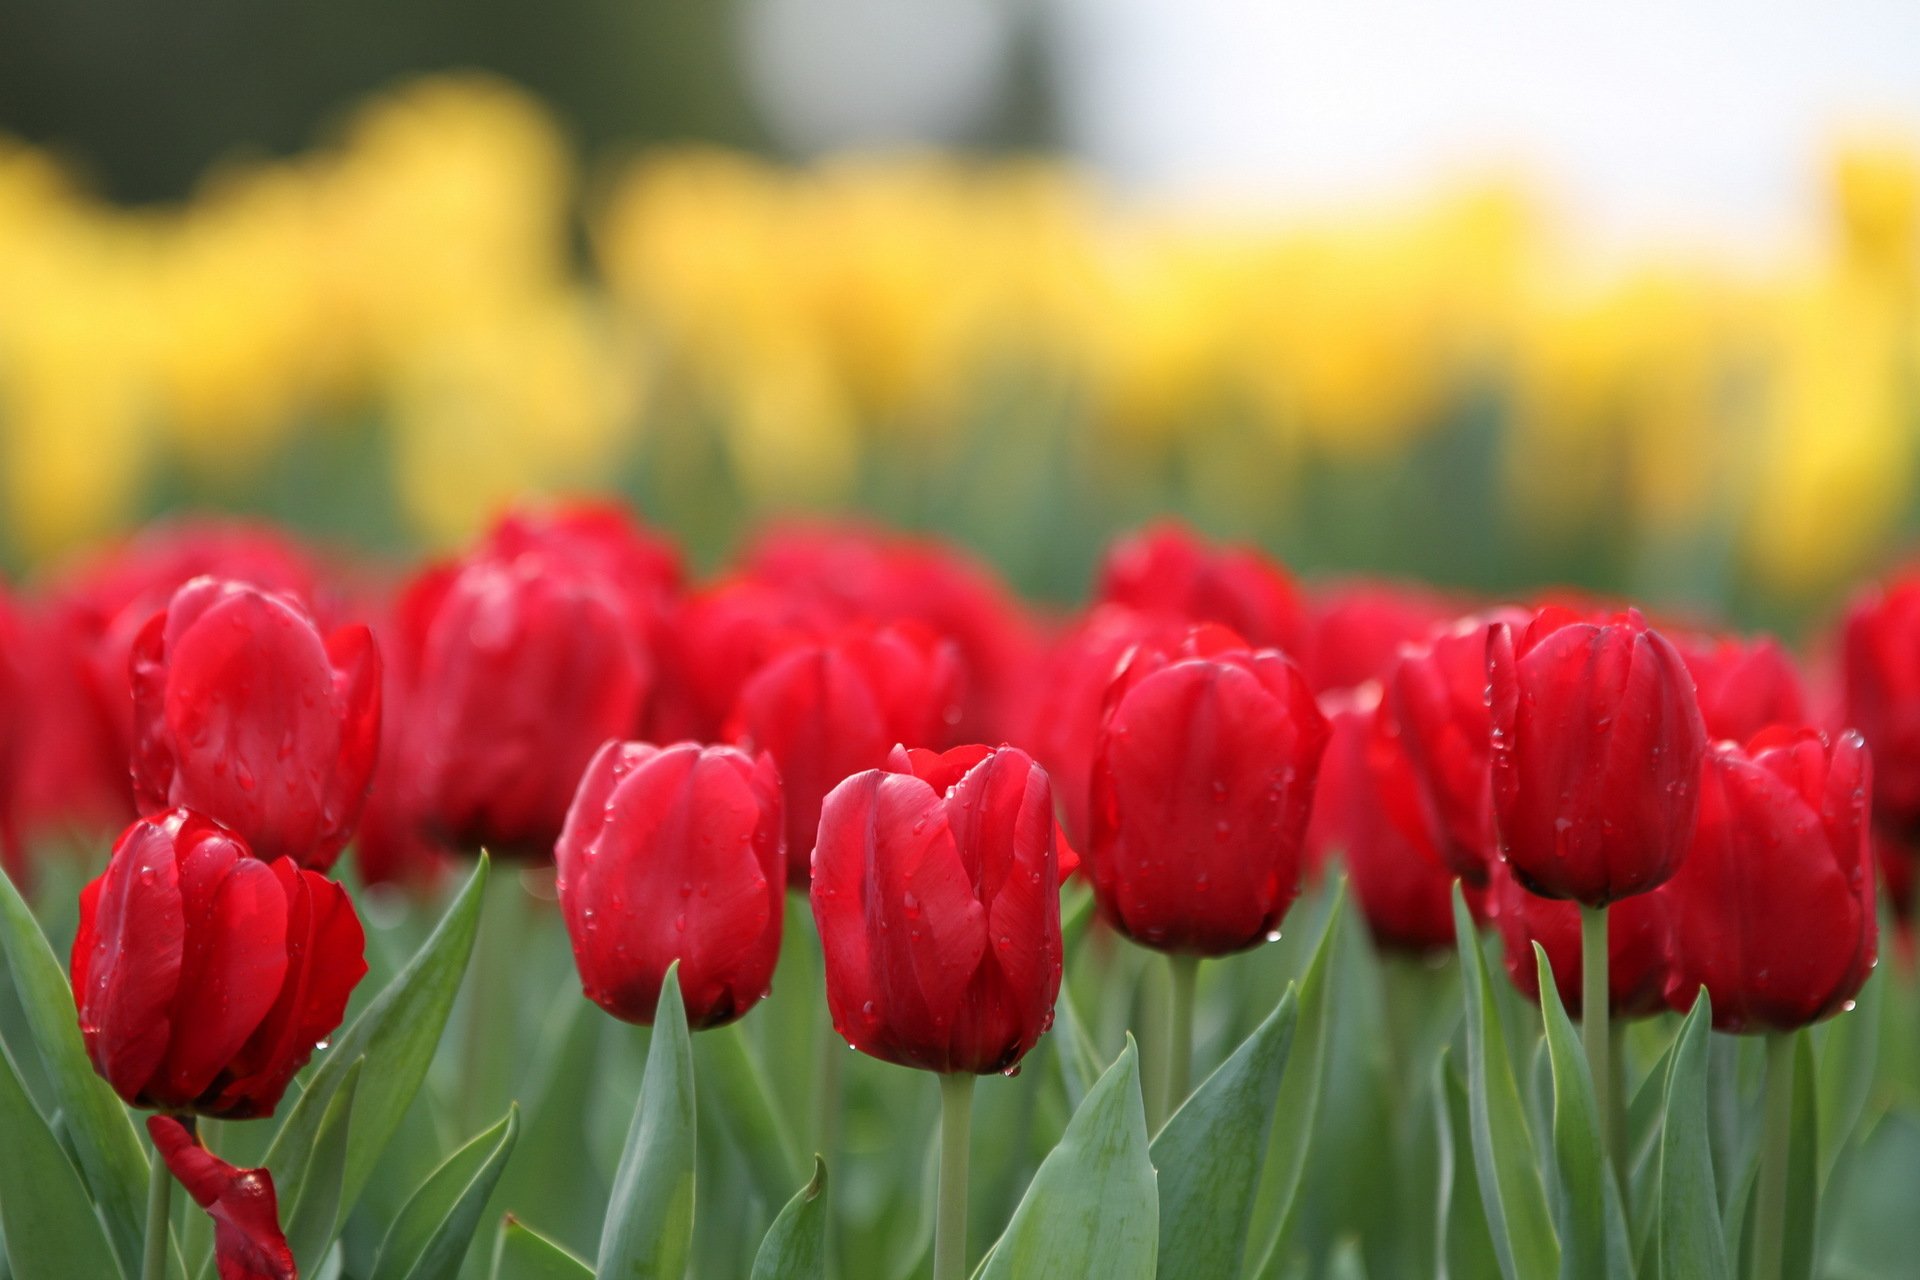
(205, 977)
(715, 642)
(828, 710)
(1880, 654)
(1773, 911)
(1203, 777)
(1638, 940)
(1404, 890)
(247, 1241)
(674, 853)
(1743, 686)
(244, 713)
(1357, 628)
(1437, 694)
(1165, 569)
(13, 704)
(597, 539)
(935, 889)
(393, 847)
(1597, 747)
(518, 668)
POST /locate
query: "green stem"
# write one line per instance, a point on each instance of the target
(1776, 1140)
(1156, 1015)
(950, 1226)
(1595, 1019)
(491, 1040)
(828, 1089)
(1184, 971)
(153, 1265)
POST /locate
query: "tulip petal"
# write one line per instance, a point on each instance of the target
(127, 959)
(248, 1243)
(356, 686)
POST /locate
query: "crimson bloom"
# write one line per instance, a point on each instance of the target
(1773, 911)
(1639, 939)
(13, 702)
(244, 713)
(1597, 747)
(518, 667)
(247, 1241)
(1356, 629)
(1166, 569)
(205, 977)
(717, 639)
(1743, 685)
(1880, 657)
(674, 853)
(936, 892)
(827, 710)
(1203, 777)
(1405, 891)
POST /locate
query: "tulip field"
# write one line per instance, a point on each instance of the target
(549, 910)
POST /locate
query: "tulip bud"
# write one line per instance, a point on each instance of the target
(1203, 777)
(1880, 652)
(828, 710)
(1773, 911)
(242, 712)
(1597, 743)
(674, 853)
(519, 669)
(205, 977)
(1166, 570)
(1365, 784)
(936, 892)
(1743, 686)
(1638, 942)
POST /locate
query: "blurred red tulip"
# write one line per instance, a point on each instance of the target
(1203, 777)
(1773, 911)
(13, 725)
(827, 710)
(205, 977)
(715, 642)
(1880, 672)
(244, 713)
(1168, 570)
(674, 853)
(1356, 629)
(247, 1241)
(1597, 748)
(1743, 685)
(935, 891)
(1639, 939)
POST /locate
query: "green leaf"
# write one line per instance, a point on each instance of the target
(1595, 1231)
(737, 1092)
(1511, 1190)
(396, 1035)
(1465, 1246)
(1849, 1053)
(1876, 1233)
(1299, 1101)
(1691, 1243)
(429, 1240)
(1209, 1154)
(649, 1229)
(1073, 1047)
(1803, 1167)
(50, 1228)
(1091, 1209)
(521, 1253)
(111, 1156)
(795, 1247)
(314, 1218)
(548, 1182)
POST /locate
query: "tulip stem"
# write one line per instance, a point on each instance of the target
(828, 1089)
(1775, 1154)
(1595, 1017)
(1184, 970)
(950, 1226)
(153, 1265)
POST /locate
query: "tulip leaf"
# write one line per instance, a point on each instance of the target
(1209, 1154)
(1875, 1232)
(1079, 1060)
(743, 1103)
(50, 1227)
(795, 1247)
(649, 1228)
(1849, 1052)
(429, 1240)
(548, 1182)
(1299, 1101)
(313, 1218)
(1465, 1246)
(1803, 1167)
(1593, 1228)
(1691, 1243)
(109, 1151)
(521, 1253)
(396, 1035)
(1092, 1208)
(1511, 1191)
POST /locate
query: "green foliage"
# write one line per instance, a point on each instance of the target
(650, 1220)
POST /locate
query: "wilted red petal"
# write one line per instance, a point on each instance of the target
(247, 1241)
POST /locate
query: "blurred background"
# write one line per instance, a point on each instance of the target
(1492, 293)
